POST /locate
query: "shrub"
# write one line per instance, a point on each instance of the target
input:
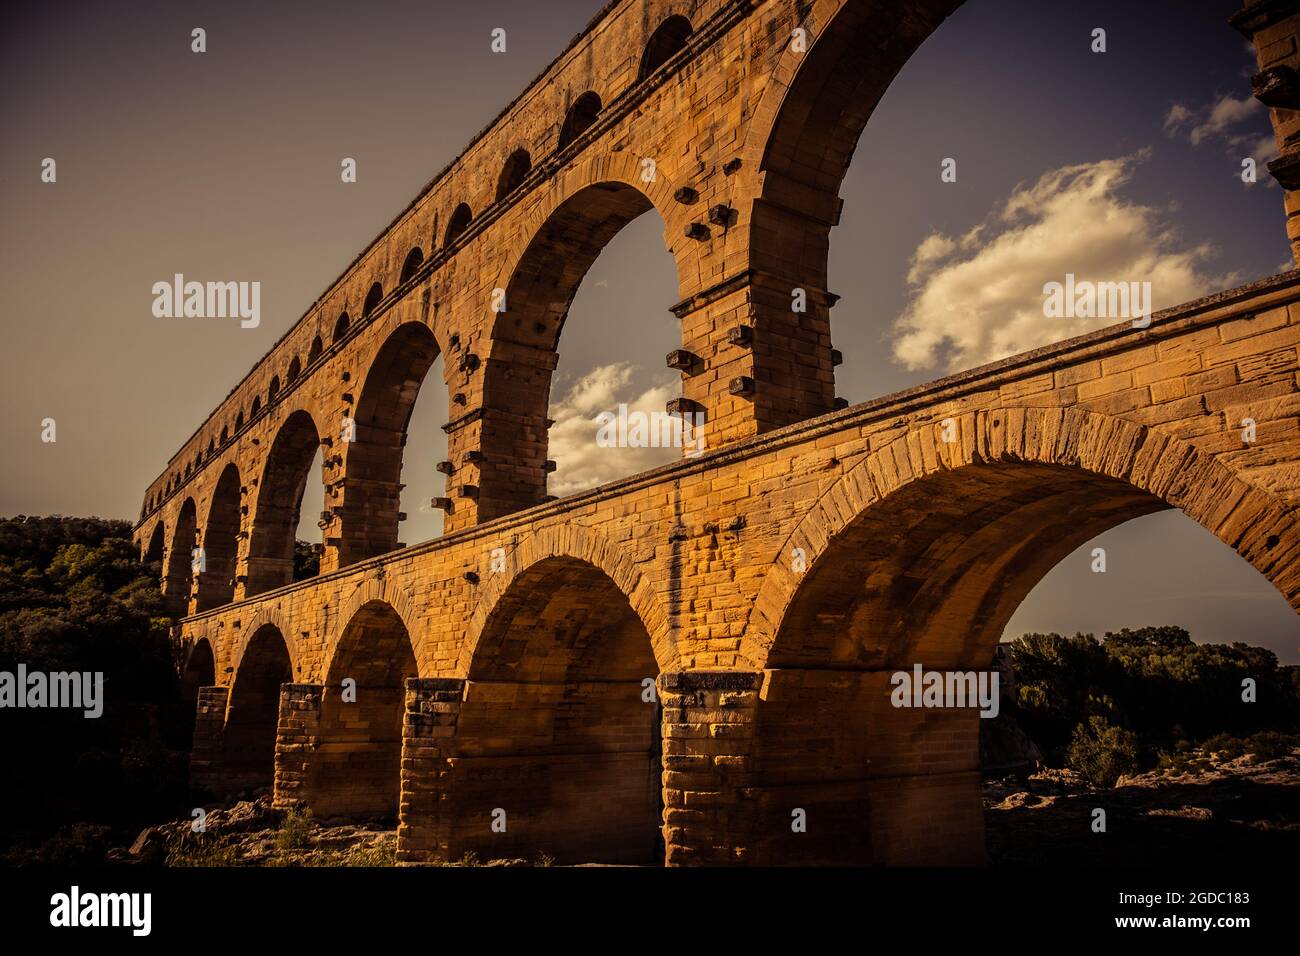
(295, 831)
(1102, 752)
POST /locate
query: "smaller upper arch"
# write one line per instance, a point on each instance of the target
(341, 327)
(513, 172)
(668, 39)
(459, 221)
(295, 369)
(274, 390)
(373, 298)
(317, 347)
(414, 259)
(582, 114)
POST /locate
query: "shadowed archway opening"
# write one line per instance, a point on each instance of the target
(200, 671)
(513, 173)
(460, 219)
(526, 336)
(414, 259)
(252, 713)
(221, 542)
(179, 580)
(575, 757)
(806, 145)
(929, 576)
(582, 114)
(373, 298)
(372, 504)
(279, 503)
(157, 545)
(356, 767)
(669, 38)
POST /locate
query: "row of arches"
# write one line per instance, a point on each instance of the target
(667, 40)
(564, 644)
(371, 512)
(555, 719)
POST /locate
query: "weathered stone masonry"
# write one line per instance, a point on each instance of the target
(670, 666)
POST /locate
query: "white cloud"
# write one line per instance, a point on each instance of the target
(979, 297)
(1179, 117)
(1222, 115)
(579, 462)
(1241, 125)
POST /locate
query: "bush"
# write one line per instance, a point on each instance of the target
(1102, 752)
(75, 597)
(1154, 681)
(295, 831)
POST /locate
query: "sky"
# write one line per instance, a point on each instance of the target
(227, 164)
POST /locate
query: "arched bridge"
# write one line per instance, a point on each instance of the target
(670, 665)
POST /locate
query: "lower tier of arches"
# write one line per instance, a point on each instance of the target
(775, 767)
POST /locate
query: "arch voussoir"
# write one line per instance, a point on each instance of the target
(582, 544)
(1162, 465)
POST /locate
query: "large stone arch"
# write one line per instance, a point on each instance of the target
(220, 541)
(266, 614)
(579, 544)
(918, 556)
(178, 579)
(795, 152)
(248, 738)
(1160, 469)
(281, 484)
(373, 459)
(814, 107)
(355, 768)
(558, 719)
(564, 230)
(154, 543)
(374, 589)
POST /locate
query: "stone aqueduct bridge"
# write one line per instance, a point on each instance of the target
(769, 585)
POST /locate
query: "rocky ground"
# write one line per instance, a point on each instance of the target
(1238, 811)
(253, 833)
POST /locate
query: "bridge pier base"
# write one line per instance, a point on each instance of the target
(209, 727)
(428, 726)
(297, 737)
(568, 771)
(708, 726)
(843, 777)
